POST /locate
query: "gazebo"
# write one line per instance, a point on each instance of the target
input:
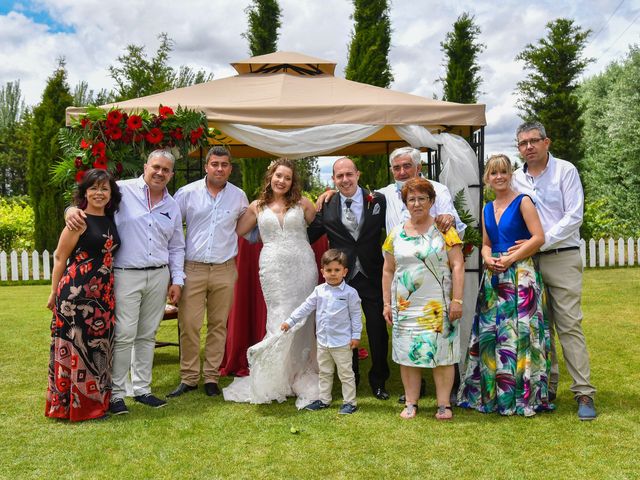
(292, 105)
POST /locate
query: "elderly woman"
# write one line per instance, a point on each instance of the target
(508, 362)
(422, 284)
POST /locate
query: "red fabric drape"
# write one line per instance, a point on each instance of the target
(247, 321)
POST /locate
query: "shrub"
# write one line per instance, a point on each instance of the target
(16, 224)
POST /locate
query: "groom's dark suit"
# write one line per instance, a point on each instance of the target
(367, 248)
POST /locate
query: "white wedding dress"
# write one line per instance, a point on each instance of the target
(282, 364)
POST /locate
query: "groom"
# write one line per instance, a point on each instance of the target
(353, 222)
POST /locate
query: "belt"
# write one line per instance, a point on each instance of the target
(556, 251)
(158, 267)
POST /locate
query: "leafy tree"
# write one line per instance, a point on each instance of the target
(611, 165)
(14, 125)
(549, 92)
(461, 51)
(137, 76)
(84, 96)
(264, 22)
(369, 63)
(47, 199)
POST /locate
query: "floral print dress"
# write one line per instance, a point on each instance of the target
(82, 328)
(422, 335)
(508, 361)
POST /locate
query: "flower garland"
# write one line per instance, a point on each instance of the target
(120, 142)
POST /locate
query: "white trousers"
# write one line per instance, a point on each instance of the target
(342, 358)
(141, 297)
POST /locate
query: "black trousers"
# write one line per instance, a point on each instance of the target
(370, 292)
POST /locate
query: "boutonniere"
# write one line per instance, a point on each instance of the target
(370, 198)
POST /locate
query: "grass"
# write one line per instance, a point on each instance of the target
(199, 437)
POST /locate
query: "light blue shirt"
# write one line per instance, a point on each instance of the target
(338, 314)
(151, 236)
(211, 221)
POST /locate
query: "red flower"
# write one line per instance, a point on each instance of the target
(114, 133)
(107, 260)
(80, 175)
(99, 323)
(177, 133)
(370, 198)
(165, 111)
(113, 118)
(467, 249)
(138, 137)
(98, 149)
(85, 268)
(119, 168)
(101, 163)
(78, 162)
(85, 122)
(92, 289)
(81, 256)
(195, 135)
(85, 144)
(134, 122)
(154, 136)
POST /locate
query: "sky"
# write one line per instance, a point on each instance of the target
(91, 34)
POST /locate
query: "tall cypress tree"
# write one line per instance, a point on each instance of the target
(461, 51)
(549, 92)
(47, 199)
(369, 63)
(264, 22)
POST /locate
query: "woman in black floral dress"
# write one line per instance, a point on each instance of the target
(83, 305)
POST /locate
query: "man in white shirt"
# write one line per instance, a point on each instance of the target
(405, 163)
(210, 207)
(555, 187)
(147, 269)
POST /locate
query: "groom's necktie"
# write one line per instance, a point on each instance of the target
(349, 215)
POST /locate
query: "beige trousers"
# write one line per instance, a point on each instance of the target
(562, 277)
(207, 286)
(342, 358)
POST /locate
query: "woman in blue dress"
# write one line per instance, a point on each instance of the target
(507, 366)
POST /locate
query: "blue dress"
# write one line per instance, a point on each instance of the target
(508, 361)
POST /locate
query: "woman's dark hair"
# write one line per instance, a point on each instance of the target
(92, 177)
(293, 196)
(418, 185)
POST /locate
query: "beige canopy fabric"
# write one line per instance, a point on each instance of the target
(291, 90)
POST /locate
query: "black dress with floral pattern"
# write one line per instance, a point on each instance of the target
(82, 328)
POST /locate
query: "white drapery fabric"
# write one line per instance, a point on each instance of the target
(299, 142)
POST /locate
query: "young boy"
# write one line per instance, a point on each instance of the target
(338, 329)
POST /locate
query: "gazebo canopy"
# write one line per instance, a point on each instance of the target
(288, 90)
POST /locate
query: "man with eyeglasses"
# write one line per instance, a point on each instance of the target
(555, 187)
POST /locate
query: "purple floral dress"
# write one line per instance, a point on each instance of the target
(82, 328)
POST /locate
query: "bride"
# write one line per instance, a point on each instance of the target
(281, 365)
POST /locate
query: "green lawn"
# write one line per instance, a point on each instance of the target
(199, 437)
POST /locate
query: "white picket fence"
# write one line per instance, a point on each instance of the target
(601, 253)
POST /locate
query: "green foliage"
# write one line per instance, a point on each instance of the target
(549, 92)
(264, 22)
(369, 63)
(461, 51)
(16, 224)
(472, 234)
(46, 198)
(370, 43)
(84, 96)
(611, 166)
(138, 76)
(15, 124)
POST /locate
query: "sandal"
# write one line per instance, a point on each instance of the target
(410, 411)
(444, 412)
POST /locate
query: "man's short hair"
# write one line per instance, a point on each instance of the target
(528, 126)
(334, 255)
(218, 151)
(414, 153)
(164, 153)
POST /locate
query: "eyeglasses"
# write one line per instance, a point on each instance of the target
(525, 143)
(417, 200)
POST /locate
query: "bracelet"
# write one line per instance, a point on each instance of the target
(457, 300)
(387, 304)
